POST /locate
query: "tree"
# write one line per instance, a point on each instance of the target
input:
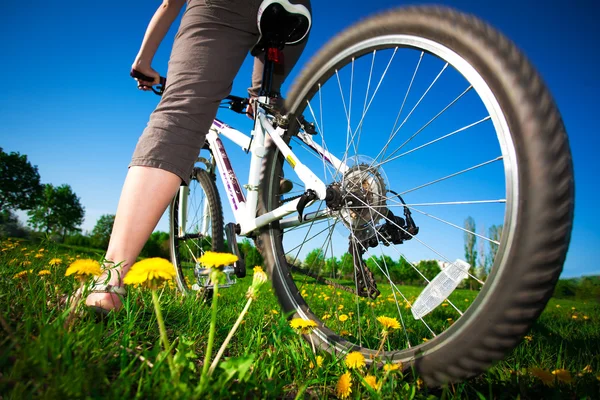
(347, 265)
(20, 187)
(59, 211)
(252, 256)
(470, 244)
(429, 268)
(332, 266)
(10, 226)
(315, 260)
(102, 230)
(495, 233)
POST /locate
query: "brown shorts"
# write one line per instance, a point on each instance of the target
(210, 46)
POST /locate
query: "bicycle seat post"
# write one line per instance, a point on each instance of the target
(272, 56)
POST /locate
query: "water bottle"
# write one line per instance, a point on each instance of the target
(440, 288)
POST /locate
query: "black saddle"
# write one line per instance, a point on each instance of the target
(280, 23)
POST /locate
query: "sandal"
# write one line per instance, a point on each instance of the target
(105, 288)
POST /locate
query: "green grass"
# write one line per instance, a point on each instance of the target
(122, 357)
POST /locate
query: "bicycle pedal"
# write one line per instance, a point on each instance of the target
(239, 266)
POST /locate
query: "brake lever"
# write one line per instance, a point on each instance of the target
(160, 88)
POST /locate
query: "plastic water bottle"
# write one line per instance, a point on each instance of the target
(440, 288)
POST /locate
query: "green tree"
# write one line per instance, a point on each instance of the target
(495, 233)
(332, 266)
(470, 252)
(20, 187)
(102, 230)
(252, 256)
(346, 265)
(59, 211)
(429, 268)
(315, 260)
(10, 226)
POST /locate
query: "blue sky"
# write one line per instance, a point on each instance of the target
(69, 105)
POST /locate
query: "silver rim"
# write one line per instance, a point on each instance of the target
(370, 50)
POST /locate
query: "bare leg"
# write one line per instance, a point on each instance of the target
(145, 196)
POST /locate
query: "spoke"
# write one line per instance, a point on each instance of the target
(432, 142)
(447, 203)
(319, 129)
(456, 226)
(454, 174)
(417, 239)
(418, 102)
(403, 102)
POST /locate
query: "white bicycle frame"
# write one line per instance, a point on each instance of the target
(244, 209)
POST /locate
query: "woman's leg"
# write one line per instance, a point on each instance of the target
(211, 44)
(145, 196)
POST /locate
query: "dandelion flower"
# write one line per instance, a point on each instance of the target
(563, 375)
(39, 255)
(529, 338)
(586, 317)
(425, 340)
(558, 306)
(82, 268)
(26, 263)
(55, 262)
(21, 274)
(587, 369)
(419, 383)
(303, 326)
(388, 323)
(343, 317)
(574, 317)
(44, 272)
(444, 304)
(344, 386)
(259, 278)
(573, 308)
(211, 259)
(344, 332)
(149, 272)
(355, 360)
(372, 381)
(319, 363)
(341, 307)
(392, 367)
(274, 312)
(326, 316)
(546, 377)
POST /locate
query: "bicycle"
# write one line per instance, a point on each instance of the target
(343, 215)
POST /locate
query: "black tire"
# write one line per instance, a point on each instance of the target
(531, 255)
(201, 184)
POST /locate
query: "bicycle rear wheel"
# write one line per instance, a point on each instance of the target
(196, 225)
(438, 119)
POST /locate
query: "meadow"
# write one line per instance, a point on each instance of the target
(43, 354)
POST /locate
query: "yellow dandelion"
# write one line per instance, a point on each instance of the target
(425, 340)
(211, 259)
(372, 381)
(355, 360)
(546, 377)
(558, 306)
(274, 312)
(574, 317)
(319, 363)
(78, 256)
(341, 307)
(392, 367)
(419, 383)
(343, 317)
(303, 326)
(82, 268)
(44, 272)
(325, 298)
(529, 338)
(586, 317)
(449, 319)
(563, 375)
(150, 272)
(466, 300)
(42, 249)
(444, 304)
(344, 332)
(55, 262)
(344, 384)
(587, 369)
(388, 323)
(326, 316)
(26, 263)
(573, 308)
(21, 274)
(38, 255)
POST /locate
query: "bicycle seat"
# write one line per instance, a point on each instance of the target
(280, 23)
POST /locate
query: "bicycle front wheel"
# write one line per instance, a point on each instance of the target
(196, 225)
(445, 152)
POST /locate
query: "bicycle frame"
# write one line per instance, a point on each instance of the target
(244, 208)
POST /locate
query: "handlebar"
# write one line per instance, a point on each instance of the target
(160, 88)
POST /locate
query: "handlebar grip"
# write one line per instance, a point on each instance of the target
(138, 75)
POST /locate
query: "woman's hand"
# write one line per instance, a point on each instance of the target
(148, 71)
